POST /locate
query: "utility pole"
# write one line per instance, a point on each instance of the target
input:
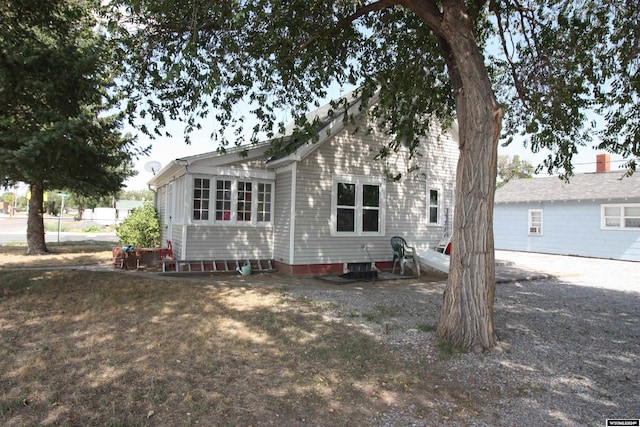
(62, 195)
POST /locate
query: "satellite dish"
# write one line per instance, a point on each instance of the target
(152, 166)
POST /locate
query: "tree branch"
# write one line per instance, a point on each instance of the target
(428, 12)
(359, 13)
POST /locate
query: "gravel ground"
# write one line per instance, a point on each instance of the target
(572, 353)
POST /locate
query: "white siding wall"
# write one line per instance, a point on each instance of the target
(161, 204)
(282, 216)
(350, 153)
(226, 243)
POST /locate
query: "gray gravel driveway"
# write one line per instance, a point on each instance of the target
(573, 342)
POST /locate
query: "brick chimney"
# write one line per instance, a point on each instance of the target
(603, 163)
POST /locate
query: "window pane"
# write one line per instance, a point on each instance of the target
(371, 195)
(223, 200)
(433, 209)
(612, 222)
(200, 199)
(264, 202)
(433, 197)
(370, 220)
(612, 211)
(346, 220)
(632, 211)
(433, 215)
(244, 201)
(632, 222)
(346, 194)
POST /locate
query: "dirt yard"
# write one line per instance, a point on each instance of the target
(82, 347)
(92, 346)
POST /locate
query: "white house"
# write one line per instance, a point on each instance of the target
(326, 205)
(594, 215)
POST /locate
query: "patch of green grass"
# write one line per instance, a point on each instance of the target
(372, 317)
(51, 227)
(424, 327)
(380, 313)
(447, 351)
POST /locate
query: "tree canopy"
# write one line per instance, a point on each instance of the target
(56, 92)
(543, 63)
(194, 59)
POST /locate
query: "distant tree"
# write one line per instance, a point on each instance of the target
(142, 195)
(56, 94)
(513, 168)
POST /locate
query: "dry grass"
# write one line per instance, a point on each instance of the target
(61, 255)
(114, 349)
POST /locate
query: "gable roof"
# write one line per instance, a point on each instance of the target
(329, 122)
(588, 186)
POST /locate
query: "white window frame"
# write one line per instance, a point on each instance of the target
(262, 211)
(531, 224)
(359, 182)
(208, 199)
(622, 216)
(233, 213)
(214, 199)
(431, 186)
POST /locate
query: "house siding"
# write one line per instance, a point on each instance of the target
(569, 228)
(299, 237)
(176, 241)
(282, 216)
(227, 243)
(161, 205)
(351, 153)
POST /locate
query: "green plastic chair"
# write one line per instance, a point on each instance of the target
(403, 253)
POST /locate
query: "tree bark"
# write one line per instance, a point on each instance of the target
(466, 319)
(36, 244)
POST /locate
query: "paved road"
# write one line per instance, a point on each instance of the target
(14, 230)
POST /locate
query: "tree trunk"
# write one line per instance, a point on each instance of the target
(35, 223)
(466, 319)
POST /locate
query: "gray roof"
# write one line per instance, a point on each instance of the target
(129, 204)
(588, 186)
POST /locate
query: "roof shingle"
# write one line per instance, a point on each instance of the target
(589, 186)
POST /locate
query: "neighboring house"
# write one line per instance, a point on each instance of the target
(125, 207)
(326, 205)
(594, 215)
